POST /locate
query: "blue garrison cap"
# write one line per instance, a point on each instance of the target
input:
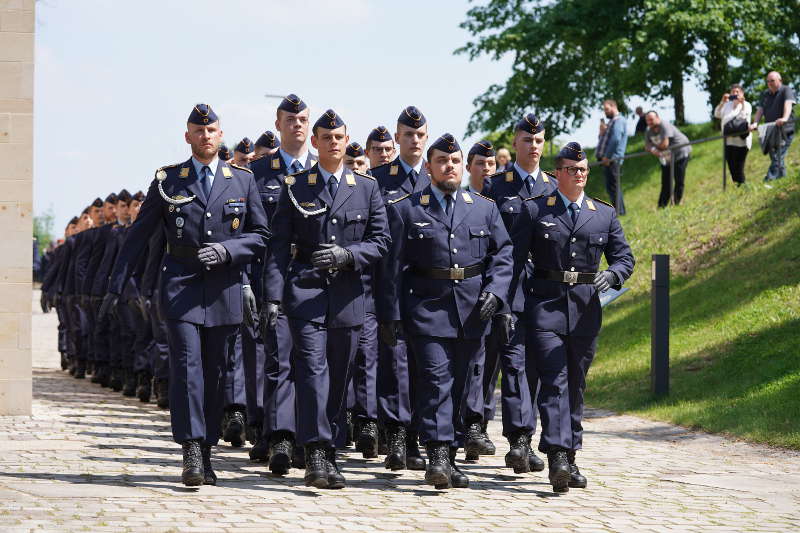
(124, 196)
(98, 202)
(355, 150)
(446, 143)
(245, 146)
(530, 123)
(292, 104)
(412, 117)
(202, 114)
(224, 152)
(268, 140)
(379, 134)
(112, 198)
(573, 151)
(483, 148)
(329, 121)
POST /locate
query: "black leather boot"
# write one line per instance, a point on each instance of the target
(105, 375)
(298, 457)
(473, 442)
(129, 383)
(281, 449)
(80, 369)
(192, 475)
(559, 469)
(414, 460)
(97, 374)
(534, 461)
(517, 456)
(335, 478)
(260, 449)
(576, 479)
(235, 428)
(116, 380)
(439, 471)
(143, 387)
(352, 431)
(316, 465)
(458, 479)
(396, 443)
(64, 361)
(383, 446)
(209, 477)
(162, 391)
(367, 439)
(488, 447)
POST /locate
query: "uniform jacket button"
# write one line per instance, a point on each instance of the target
(333, 221)
(163, 269)
(572, 269)
(546, 235)
(208, 232)
(573, 239)
(455, 250)
(333, 237)
(208, 215)
(208, 268)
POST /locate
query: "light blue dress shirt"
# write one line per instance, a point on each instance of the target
(407, 168)
(439, 195)
(198, 167)
(524, 174)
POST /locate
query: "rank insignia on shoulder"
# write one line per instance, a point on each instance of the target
(350, 179)
(467, 198)
(235, 223)
(161, 175)
(393, 170)
(312, 179)
(227, 172)
(509, 176)
(545, 178)
(425, 199)
(184, 172)
(395, 200)
(484, 197)
(551, 201)
(601, 201)
(308, 204)
(276, 163)
(289, 180)
(590, 205)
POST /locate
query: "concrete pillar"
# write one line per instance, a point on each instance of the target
(16, 203)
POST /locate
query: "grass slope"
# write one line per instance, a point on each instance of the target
(734, 295)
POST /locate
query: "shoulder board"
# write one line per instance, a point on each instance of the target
(482, 196)
(168, 166)
(501, 173)
(363, 175)
(381, 166)
(534, 197)
(601, 201)
(549, 174)
(234, 165)
(395, 200)
(262, 156)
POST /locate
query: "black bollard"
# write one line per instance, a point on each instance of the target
(659, 325)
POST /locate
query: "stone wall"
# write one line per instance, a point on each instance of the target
(16, 203)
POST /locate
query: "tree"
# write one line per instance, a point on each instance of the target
(43, 229)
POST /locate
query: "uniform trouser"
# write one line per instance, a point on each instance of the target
(394, 383)
(322, 360)
(235, 397)
(515, 394)
(122, 345)
(562, 362)
(62, 329)
(102, 344)
(447, 368)
(253, 362)
(90, 316)
(197, 363)
(280, 411)
(159, 354)
(142, 345)
(73, 328)
(365, 372)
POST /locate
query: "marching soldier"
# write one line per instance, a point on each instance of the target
(519, 383)
(396, 371)
(266, 144)
(567, 233)
(337, 221)
(379, 147)
(355, 158)
(214, 225)
(243, 152)
(224, 153)
(447, 272)
(481, 164)
(280, 422)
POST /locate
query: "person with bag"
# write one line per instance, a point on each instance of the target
(734, 112)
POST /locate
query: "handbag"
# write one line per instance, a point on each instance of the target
(737, 125)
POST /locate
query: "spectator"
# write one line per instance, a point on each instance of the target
(658, 138)
(775, 106)
(641, 124)
(732, 108)
(503, 157)
(610, 151)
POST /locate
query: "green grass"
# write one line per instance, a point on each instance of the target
(734, 299)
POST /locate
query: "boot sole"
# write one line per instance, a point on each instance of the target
(472, 451)
(574, 485)
(279, 464)
(537, 467)
(318, 481)
(393, 462)
(560, 481)
(519, 464)
(193, 480)
(439, 480)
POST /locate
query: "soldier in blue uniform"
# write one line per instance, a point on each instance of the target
(280, 421)
(379, 147)
(355, 158)
(519, 383)
(447, 273)
(396, 367)
(266, 144)
(215, 224)
(481, 164)
(225, 153)
(337, 221)
(159, 349)
(566, 233)
(243, 152)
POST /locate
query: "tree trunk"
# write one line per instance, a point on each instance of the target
(718, 76)
(676, 87)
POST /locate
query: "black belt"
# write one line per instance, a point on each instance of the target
(184, 252)
(564, 277)
(448, 273)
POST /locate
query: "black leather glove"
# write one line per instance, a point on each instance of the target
(268, 317)
(390, 331)
(506, 326)
(213, 254)
(250, 306)
(488, 304)
(604, 280)
(44, 303)
(331, 256)
(109, 306)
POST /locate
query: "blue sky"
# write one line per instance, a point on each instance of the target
(115, 81)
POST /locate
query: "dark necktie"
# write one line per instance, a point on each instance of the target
(529, 184)
(448, 207)
(412, 176)
(296, 167)
(333, 186)
(206, 172)
(573, 207)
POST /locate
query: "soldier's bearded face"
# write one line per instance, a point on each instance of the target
(446, 170)
(204, 139)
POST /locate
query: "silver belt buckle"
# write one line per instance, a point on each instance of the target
(570, 277)
(457, 273)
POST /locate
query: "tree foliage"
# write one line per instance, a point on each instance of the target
(43, 229)
(569, 55)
